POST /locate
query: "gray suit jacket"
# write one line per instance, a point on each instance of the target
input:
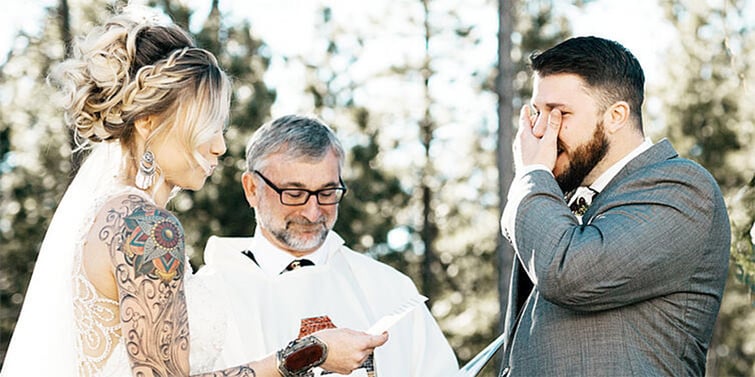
(633, 292)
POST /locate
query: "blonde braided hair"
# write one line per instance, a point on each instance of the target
(133, 67)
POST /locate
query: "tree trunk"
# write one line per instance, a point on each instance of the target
(64, 18)
(426, 134)
(504, 156)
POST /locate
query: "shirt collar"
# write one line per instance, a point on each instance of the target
(272, 260)
(611, 172)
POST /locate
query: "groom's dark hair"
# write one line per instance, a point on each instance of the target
(605, 65)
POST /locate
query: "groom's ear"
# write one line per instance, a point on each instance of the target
(250, 188)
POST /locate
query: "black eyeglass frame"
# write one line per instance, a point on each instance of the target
(342, 189)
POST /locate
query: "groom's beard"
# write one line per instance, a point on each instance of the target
(583, 160)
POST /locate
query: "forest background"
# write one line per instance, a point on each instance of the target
(422, 93)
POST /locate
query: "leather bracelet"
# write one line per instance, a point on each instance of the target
(300, 356)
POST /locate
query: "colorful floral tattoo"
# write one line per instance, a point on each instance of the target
(154, 243)
(146, 246)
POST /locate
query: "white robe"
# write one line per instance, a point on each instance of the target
(353, 290)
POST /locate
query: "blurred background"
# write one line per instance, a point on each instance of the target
(423, 93)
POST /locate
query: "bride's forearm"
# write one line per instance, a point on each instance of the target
(262, 368)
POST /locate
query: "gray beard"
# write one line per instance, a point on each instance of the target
(289, 239)
(297, 243)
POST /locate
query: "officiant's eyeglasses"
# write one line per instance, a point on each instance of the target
(297, 197)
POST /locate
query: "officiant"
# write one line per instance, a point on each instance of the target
(295, 275)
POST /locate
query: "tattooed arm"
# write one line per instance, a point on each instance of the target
(147, 250)
(146, 246)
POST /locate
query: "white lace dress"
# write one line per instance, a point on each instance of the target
(100, 347)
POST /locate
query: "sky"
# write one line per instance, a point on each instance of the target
(638, 24)
(287, 27)
(283, 24)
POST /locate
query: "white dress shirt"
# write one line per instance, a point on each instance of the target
(272, 260)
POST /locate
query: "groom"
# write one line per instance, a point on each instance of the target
(630, 282)
(296, 276)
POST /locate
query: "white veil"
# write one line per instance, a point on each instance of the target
(43, 342)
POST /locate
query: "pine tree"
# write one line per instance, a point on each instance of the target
(711, 121)
(365, 215)
(425, 141)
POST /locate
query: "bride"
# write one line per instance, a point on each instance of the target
(112, 292)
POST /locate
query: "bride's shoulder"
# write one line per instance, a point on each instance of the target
(117, 212)
(126, 200)
(130, 222)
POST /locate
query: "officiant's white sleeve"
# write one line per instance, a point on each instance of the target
(433, 355)
(416, 346)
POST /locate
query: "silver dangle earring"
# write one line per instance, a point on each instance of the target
(145, 177)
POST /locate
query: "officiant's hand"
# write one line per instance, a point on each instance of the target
(348, 349)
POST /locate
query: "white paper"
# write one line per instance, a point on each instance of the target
(387, 321)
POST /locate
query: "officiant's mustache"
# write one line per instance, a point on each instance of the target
(298, 220)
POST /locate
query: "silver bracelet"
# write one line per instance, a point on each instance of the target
(301, 355)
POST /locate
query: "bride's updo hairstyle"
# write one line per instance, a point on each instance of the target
(134, 66)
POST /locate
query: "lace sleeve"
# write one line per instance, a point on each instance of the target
(207, 322)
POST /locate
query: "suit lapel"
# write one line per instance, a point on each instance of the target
(660, 151)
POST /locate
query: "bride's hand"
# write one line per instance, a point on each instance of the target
(348, 349)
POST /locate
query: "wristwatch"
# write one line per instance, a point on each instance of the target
(300, 356)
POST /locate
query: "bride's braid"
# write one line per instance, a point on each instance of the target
(122, 71)
(156, 87)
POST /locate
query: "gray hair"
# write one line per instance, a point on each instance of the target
(295, 135)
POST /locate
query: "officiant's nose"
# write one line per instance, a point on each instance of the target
(312, 210)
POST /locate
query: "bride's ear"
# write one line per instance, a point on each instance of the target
(143, 127)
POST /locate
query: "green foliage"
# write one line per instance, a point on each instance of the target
(34, 165)
(742, 214)
(367, 213)
(711, 121)
(399, 170)
(365, 217)
(538, 29)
